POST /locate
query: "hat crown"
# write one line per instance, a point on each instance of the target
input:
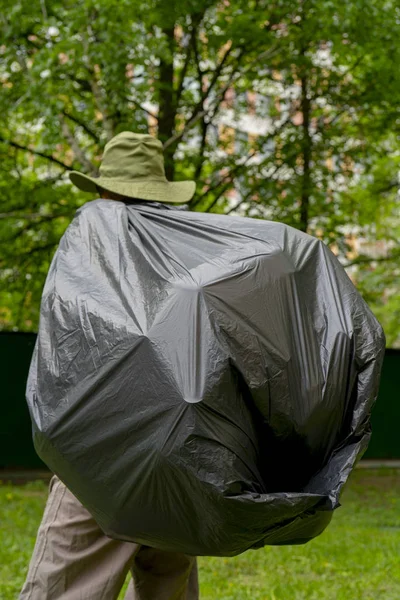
(133, 156)
(133, 167)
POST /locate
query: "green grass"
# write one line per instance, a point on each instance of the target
(357, 558)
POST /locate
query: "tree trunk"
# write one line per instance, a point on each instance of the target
(167, 102)
(306, 155)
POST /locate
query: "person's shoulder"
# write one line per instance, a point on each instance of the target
(258, 226)
(99, 208)
(97, 205)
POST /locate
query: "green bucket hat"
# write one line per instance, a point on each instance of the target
(133, 166)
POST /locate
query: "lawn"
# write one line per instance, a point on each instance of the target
(357, 558)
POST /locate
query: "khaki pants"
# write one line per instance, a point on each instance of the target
(74, 560)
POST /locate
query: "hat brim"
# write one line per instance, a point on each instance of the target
(170, 192)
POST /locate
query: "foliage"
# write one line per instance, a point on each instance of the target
(286, 110)
(357, 556)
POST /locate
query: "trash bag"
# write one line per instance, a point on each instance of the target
(201, 383)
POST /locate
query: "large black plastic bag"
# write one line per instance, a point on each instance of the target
(201, 383)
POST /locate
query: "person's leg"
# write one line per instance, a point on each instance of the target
(158, 575)
(73, 559)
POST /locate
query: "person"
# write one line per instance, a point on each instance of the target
(73, 559)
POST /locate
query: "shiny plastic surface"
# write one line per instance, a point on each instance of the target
(201, 383)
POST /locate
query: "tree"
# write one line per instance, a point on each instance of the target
(283, 110)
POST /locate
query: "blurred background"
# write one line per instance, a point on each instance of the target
(287, 110)
(284, 110)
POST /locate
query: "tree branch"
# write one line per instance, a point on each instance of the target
(175, 138)
(228, 178)
(200, 158)
(200, 73)
(306, 154)
(97, 91)
(388, 188)
(238, 204)
(219, 68)
(141, 107)
(240, 166)
(204, 125)
(36, 153)
(98, 96)
(82, 124)
(77, 150)
(31, 216)
(199, 112)
(167, 100)
(185, 67)
(368, 259)
(83, 83)
(49, 246)
(245, 198)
